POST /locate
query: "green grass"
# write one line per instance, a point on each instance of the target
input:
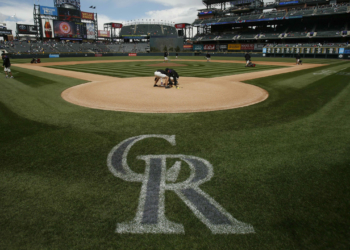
(281, 165)
(142, 69)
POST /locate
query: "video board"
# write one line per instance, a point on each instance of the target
(69, 30)
(26, 29)
(70, 15)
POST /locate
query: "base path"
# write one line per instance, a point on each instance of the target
(138, 94)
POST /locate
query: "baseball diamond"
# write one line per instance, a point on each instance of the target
(225, 127)
(196, 95)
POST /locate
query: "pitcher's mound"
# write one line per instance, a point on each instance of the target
(167, 65)
(139, 95)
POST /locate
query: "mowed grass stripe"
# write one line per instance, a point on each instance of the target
(195, 69)
(196, 73)
(127, 69)
(190, 73)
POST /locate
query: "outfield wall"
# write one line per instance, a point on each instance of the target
(172, 54)
(308, 52)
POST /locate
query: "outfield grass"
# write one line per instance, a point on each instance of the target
(173, 59)
(281, 165)
(142, 69)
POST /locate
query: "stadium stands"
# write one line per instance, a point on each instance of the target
(148, 30)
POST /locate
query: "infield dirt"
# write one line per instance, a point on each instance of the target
(138, 94)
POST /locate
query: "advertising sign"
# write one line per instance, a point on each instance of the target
(264, 50)
(221, 47)
(287, 50)
(341, 51)
(47, 28)
(74, 3)
(90, 31)
(205, 13)
(132, 54)
(198, 47)
(69, 15)
(54, 56)
(234, 47)
(65, 29)
(278, 50)
(104, 33)
(87, 16)
(5, 32)
(307, 50)
(290, 2)
(272, 50)
(312, 50)
(117, 25)
(258, 46)
(188, 47)
(209, 47)
(180, 26)
(247, 46)
(50, 11)
(26, 29)
(333, 50)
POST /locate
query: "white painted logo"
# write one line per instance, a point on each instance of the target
(150, 215)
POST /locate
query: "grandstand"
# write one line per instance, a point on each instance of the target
(147, 30)
(281, 22)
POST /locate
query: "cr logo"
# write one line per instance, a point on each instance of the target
(150, 216)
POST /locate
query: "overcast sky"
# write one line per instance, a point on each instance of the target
(177, 11)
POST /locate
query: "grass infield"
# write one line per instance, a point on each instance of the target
(281, 165)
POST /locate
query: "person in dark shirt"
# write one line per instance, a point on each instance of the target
(207, 56)
(173, 75)
(6, 65)
(297, 57)
(247, 58)
(161, 74)
(166, 56)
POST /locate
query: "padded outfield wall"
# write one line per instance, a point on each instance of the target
(159, 42)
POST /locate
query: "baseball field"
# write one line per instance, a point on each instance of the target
(83, 167)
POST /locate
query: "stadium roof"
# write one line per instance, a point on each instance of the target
(209, 2)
